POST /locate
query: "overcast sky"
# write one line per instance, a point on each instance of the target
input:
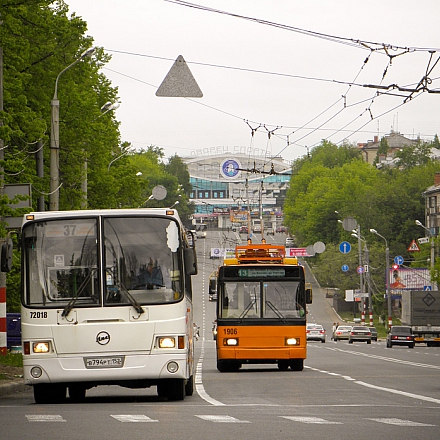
(287, 78)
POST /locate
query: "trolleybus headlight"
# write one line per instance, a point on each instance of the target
(172, 367)
(36, 372)
(41, 347)
(292, 341)
(166, 342)
(230, 341)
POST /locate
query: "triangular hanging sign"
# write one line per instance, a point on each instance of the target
(179, 82)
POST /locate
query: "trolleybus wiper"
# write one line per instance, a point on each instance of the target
(274, 310)
(246, 310)
(133, 302)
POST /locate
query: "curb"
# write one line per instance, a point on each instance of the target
(13, 387)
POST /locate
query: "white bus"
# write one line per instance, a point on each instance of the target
(107, 300)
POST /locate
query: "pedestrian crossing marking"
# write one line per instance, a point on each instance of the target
(133, 418)
(315, 420)
(44, 418)
(221, 419)
(400, 422)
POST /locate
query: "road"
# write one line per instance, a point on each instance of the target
(355, 391)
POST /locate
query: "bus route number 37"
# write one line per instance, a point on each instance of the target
(230, 331)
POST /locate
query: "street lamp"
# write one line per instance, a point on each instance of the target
(54, 194)
(387, 277)
(419, 223)
(127, 151)
(108, 106)
(174, 204)
(367, 275)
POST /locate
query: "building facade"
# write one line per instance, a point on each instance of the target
(233, 185)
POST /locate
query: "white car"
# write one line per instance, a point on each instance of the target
(315, 332)
(342, 332)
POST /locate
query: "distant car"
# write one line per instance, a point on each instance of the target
(212, 289)
(269, 230)
(281, 229)
(342, 332)
(290, 242)
(373, 331)
(315, 332)
(360, 333)
(400, 335)
(244, 229)
(201, 230)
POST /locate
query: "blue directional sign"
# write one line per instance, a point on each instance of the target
(398, 260)
(345, 268)
(345, 247)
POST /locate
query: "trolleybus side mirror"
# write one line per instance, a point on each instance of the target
(6, 256)
(309, 295)
(190, 261)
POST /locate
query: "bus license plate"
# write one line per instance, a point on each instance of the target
(104, 362)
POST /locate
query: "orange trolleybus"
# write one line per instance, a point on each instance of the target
(261, 309)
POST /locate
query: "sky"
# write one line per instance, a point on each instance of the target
(277, 77)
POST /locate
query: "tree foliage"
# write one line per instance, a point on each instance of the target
(333, 183)
(42, 43)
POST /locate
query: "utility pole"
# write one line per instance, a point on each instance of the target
(3, 334)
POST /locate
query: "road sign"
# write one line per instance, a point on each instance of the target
(360, 269)
(345, 268)
(413, 247)
(345, 247)
(179, 82)
(427, 287)
(398, 260)
(423, 240)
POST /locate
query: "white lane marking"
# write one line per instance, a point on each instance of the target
(388, 390)
(222, 419)
(44, 418)
(315, 420)
(387, 359)
(401, 393)
(200, 389)
(133, 418)
(399, 422)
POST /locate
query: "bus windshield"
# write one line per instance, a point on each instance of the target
(262, 299)
(135, 262)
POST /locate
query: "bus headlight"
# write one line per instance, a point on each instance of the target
(230, 341)
(166, 342)
(291, 341)
(41, 347)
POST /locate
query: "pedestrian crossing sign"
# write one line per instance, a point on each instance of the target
(413, 247)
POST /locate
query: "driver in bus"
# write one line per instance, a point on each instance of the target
(150, 276)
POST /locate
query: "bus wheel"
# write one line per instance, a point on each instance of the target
(228, 366)
(297, 365)
(176, 389)
(49, 393)
(283, 365)
(162, 389)
(189, 387)
(77, 393)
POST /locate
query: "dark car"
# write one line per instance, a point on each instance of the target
(373, 331)
(360, 333)
(243, 230)
(400, 335)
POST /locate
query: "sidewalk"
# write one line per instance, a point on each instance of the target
(8, 387)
